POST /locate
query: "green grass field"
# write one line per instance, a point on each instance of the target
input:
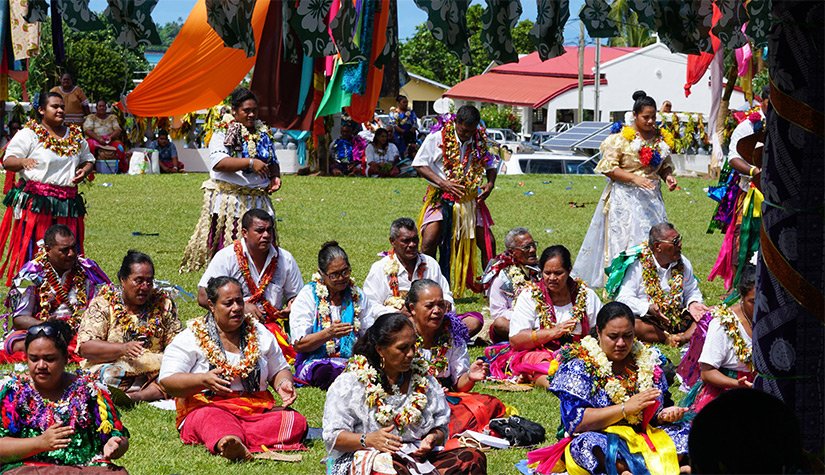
(357, 213)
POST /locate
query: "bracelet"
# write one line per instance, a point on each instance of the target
(280, 383)
(750, 172)
(535, 340)
(624, 416)
(251, 162)
(363, 441)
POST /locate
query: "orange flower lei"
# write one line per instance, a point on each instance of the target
(257, 291)
(454, 166)
(216, 356)
(671, 304)
(51, 286)
(547, 312)
(70, 145)
(154, 321)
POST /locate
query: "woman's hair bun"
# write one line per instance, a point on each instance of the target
(638, 95)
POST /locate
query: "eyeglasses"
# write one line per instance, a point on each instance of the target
(674, 242)
(528, 246)
(344, 274)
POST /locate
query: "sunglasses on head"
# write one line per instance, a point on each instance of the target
(46, 329)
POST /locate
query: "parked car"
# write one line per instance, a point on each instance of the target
(538, 138)
(509, 140)
(549, 163)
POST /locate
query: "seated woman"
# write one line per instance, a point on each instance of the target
(546, 315)
(382, 155)
(612, 390)
(54, 418)
(219, 368)
(102, 130)
(440, 341)
(327, 316)
(726, 360)
(126, 329)
(387, 413)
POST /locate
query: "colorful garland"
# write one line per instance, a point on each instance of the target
(391, 268)
(411, 412)
(670, 305)
(21, 405)
(455, 168)
(251, 138)
(618, 387)
(65, 147)
(153, 311)
(651, 152)
(730, 323)
(76, 278)
(442, 346)
(216, 356)
(547, 311)
(400, 118)
(322, 292)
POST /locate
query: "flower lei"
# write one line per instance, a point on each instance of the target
(76, 279)
(547, 312)
(442, 346)
(391, 268)
(67, 146)
(257, 291)
(517, 277)
(410, 413)
(251, 138)
(455, 167)
(36, 412)
(619, 388)
(400, 118)
(322, 292)
(651, 152)
(216, 356)
(154, 322)
(730, 323)
(671, 304)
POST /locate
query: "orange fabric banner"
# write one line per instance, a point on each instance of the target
(362, 108)
(197, 72)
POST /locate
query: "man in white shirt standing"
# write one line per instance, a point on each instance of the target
(269, 275)
(660, 288)
(390, 278)
(455, 161)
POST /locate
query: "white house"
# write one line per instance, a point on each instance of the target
(547, 92)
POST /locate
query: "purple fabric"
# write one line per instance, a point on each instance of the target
(689, 367)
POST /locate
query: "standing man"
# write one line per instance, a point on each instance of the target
(455, 160)
(390, 278)
(506, 275)
(269, 276)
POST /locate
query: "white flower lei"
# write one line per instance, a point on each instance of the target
(408, 414)
(252, 139)
(636, 144)
(322, 292)
(391, 267)
(645, 360)
(516, 275)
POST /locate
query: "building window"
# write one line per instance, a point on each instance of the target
(539, 115)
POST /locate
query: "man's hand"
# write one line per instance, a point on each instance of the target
(656, 313)
(486, 189)
(249, 307)
(698, 310)
(455, 190)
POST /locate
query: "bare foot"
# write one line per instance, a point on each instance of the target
(684, 469)
(232, 448)
(542, 382)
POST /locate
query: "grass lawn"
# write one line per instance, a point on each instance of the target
(357, 213)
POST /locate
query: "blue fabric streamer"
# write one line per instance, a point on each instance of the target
(617, 446)
(301, 137)
(306, 82)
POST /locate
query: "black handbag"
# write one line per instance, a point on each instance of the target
(520, 432)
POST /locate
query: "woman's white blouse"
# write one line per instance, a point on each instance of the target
(458, 361)
(304, 312)
(51, 168)
(526, 318)
(346, 410)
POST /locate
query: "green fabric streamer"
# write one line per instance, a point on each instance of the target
(749, 235)
(447, 21)
(547, 32)
(63, 208)
(618, 269)
(595, 16)
(335, 98)
(497, 24)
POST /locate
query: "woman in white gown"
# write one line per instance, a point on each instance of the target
(636, 158)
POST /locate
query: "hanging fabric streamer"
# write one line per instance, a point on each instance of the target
(497, 23)
(547, 32)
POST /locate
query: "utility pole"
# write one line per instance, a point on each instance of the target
(596, 114)
(581, 72)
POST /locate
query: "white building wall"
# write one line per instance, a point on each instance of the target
(653, 69)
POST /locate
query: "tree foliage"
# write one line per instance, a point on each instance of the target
(504, 117)
(167, 33)
(98, 64)
(422, 54)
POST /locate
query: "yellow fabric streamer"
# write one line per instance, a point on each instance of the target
(757, 197)
(663, 461)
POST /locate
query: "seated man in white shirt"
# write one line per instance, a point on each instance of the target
(390, 278)
(269, 276)
(660, 288)
(506, 275)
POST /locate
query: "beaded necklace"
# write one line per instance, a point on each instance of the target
(324, 312)
(547, 311)
(257, 290)
(439, 350)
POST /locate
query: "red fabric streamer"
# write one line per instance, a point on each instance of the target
(697, 65)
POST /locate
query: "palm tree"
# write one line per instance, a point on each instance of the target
(632, 34)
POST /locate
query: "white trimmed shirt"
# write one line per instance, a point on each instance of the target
(377, 284)
(431, 155)
(632, 292)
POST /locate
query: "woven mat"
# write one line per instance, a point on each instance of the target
(510, 387)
